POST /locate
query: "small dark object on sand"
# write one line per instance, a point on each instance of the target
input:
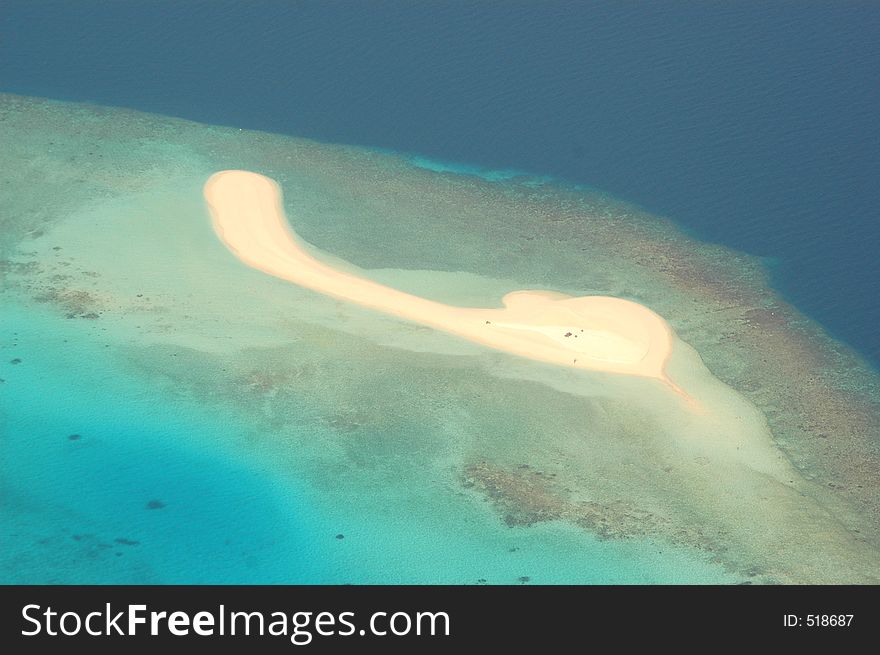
(155, 504)
(340, 536)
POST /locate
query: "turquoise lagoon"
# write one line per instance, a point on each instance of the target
(89, 446)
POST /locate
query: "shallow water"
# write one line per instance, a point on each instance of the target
(267, 420)
(108, 479)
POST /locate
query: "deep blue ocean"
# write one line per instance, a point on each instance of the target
(754, 124)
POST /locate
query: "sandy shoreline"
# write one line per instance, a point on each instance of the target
(598, 333)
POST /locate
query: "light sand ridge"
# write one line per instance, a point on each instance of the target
(598, 333)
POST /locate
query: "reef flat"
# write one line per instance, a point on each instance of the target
(437, 459)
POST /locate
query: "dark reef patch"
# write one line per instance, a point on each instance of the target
(525, 497)
(75, 303)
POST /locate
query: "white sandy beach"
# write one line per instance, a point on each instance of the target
(598, 333)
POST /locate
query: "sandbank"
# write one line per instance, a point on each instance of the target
(598, 333)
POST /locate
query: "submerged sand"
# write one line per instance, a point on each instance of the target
(597, 333)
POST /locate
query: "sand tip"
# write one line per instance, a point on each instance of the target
(690, 401)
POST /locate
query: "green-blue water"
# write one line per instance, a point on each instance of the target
(136, 497)
(95, 462)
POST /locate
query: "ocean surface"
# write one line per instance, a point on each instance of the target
(753, 124)
(170, 415)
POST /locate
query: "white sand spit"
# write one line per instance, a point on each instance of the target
(598, 333)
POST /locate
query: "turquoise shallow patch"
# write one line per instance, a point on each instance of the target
(105, 480)
(491, 175)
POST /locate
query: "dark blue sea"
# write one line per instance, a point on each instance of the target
(752, 124)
